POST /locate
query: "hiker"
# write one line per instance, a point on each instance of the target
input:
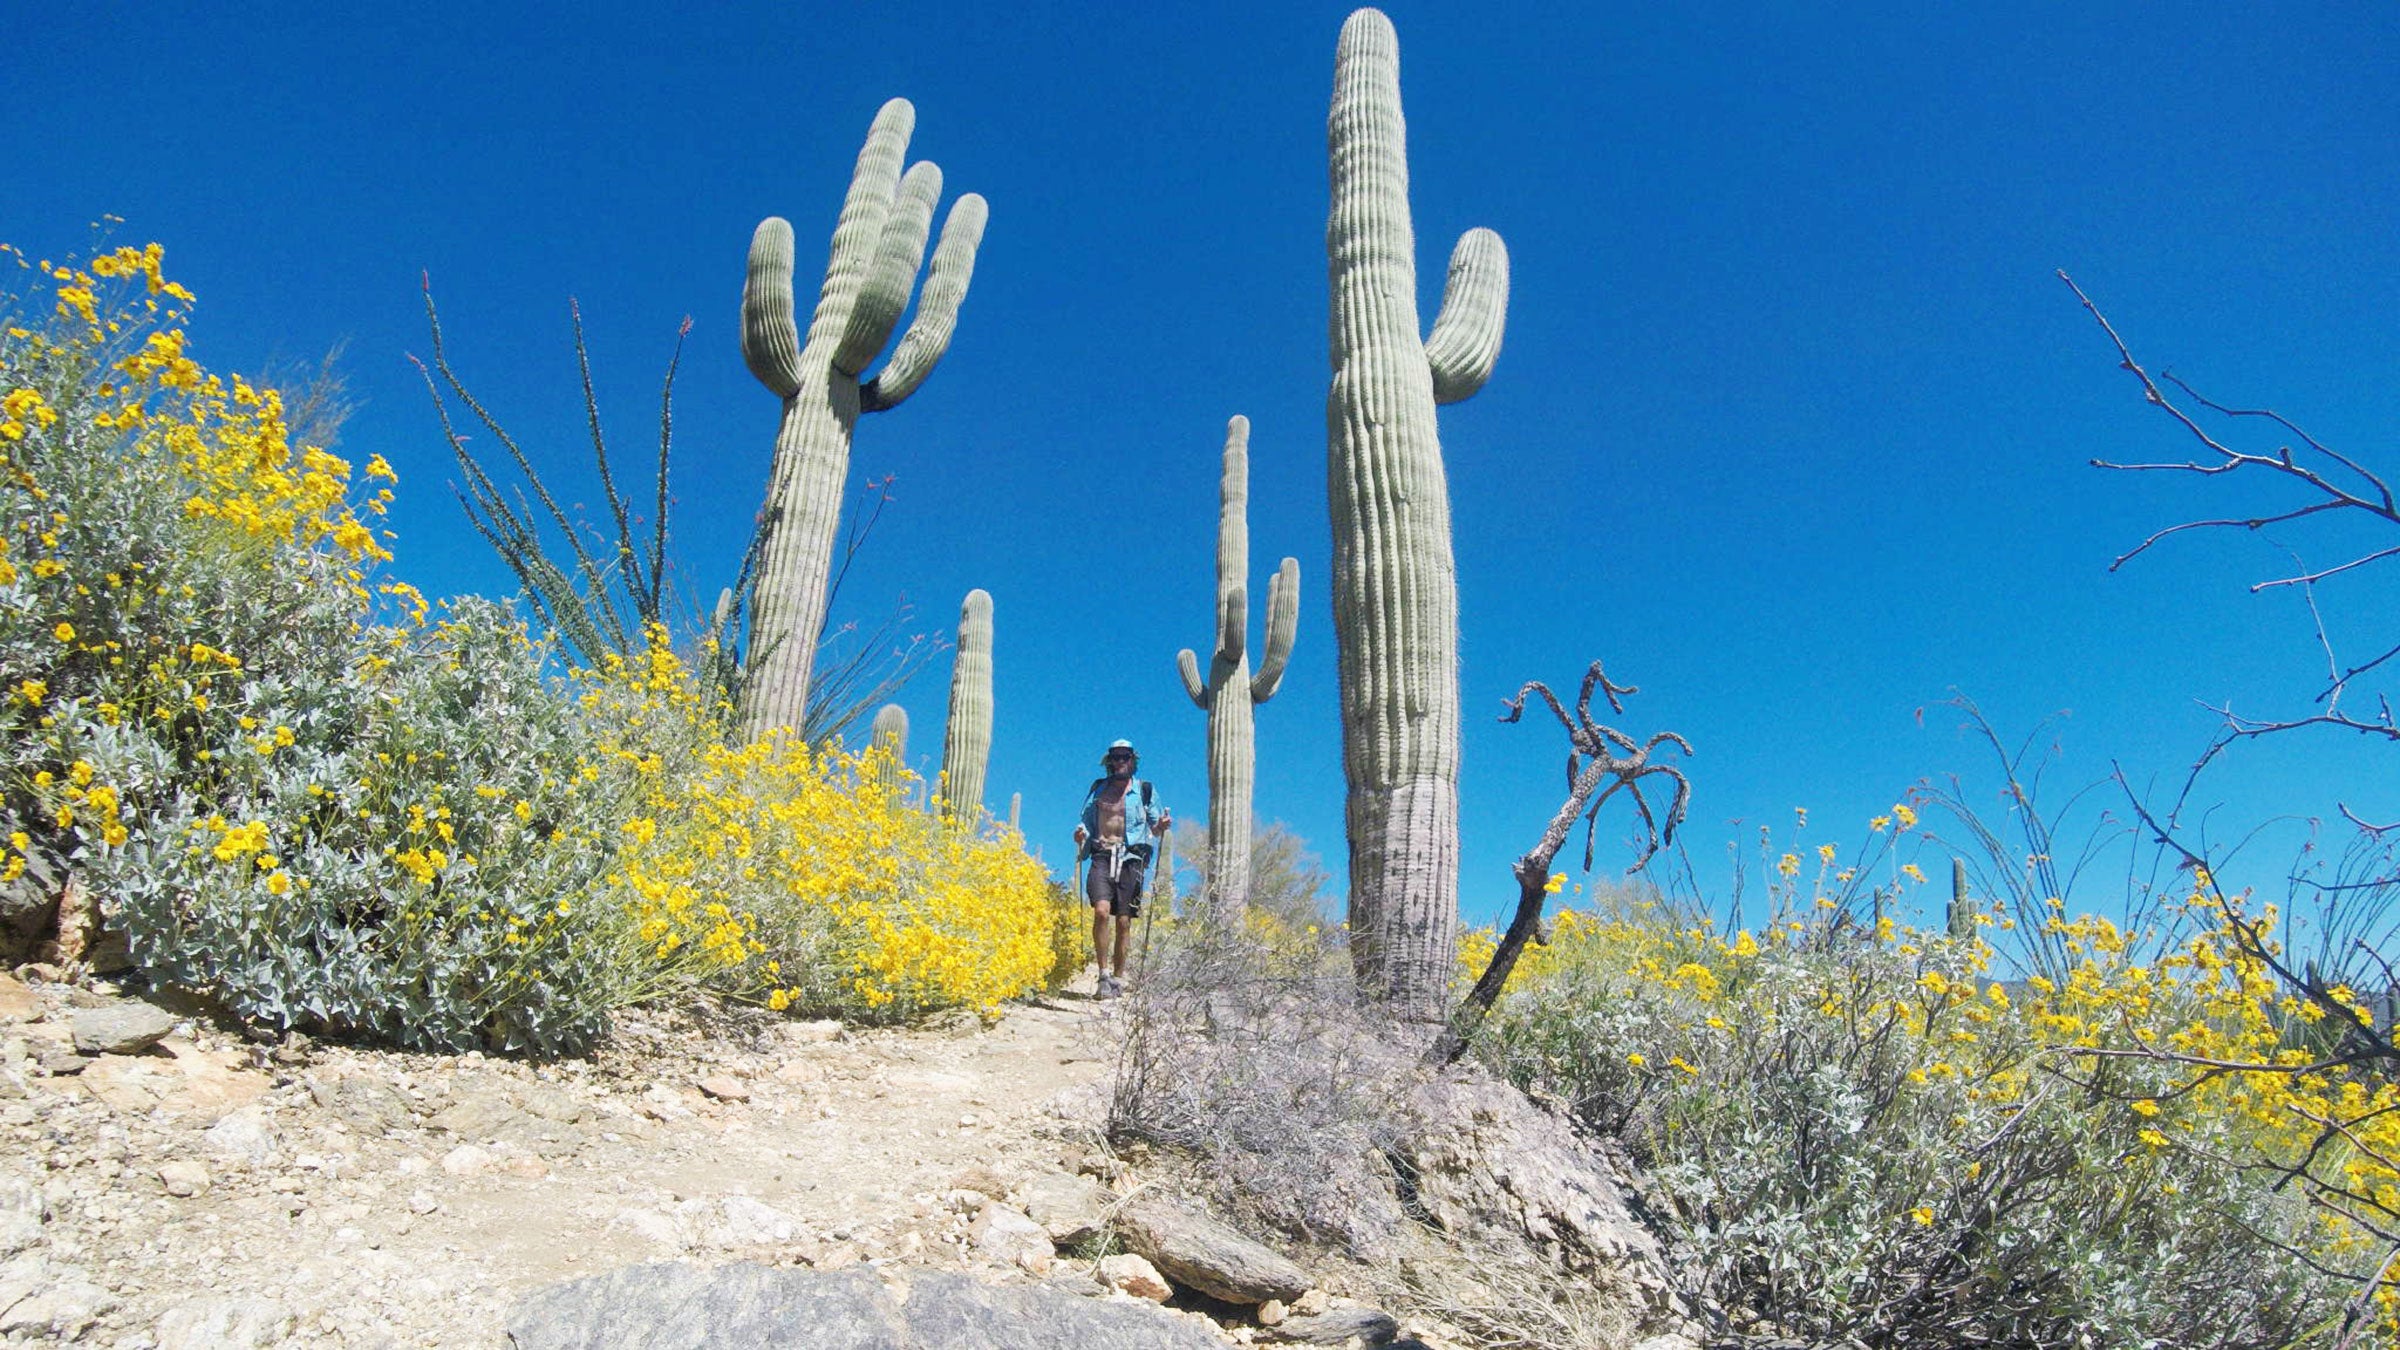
(1121, 826)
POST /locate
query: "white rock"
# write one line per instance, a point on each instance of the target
(748, 1222)
(224, 1324)
(1007, 1236)
(652, 1226)
(241, 1136)
(422, 1202)
(183, 1177)
(1130, 1274)
(467, 1160)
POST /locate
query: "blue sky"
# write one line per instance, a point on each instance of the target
(1790, 427)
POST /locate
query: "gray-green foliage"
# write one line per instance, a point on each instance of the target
(1823, 1171)
(1395, 585)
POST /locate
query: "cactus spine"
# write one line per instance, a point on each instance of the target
(1229, 690)
(878, 247)
(888, 743)
(967, 740)
(1395, 591)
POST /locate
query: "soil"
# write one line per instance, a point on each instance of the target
(339, 1196)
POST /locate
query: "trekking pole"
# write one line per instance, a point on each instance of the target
(1166, 865)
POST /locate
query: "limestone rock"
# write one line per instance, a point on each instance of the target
(1007, 1236)
(363, 1104)
(224, 1324)
(120, 1028)
(1131, 1274)
(1198, 1252)
(480, 1115)
(241, 1136)
(183, 1178)
(725, 1088)
(18, 1002)
(682, 1307)
(982, 1180)
(1072, 1209)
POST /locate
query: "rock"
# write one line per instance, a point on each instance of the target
(1272, 1312)
(18, 1002)
(1200, 1253)
(29, 904)
(363, 1104)
(1072, 1209)
(225, 1324)
(1133, 1275)
(812, 1033)
(1313, 1302)
(422, 1202)
(21, 1205)
(1669, 1341)
(1336, 1326)
(748, 1223)
(183, 1178)
(681, 1307)
(982, 1180)
(480, 1115)
(1007, 1236)
(66, 1308)
(725, 1088)
(120, 1028)
(652, 1226)
(467, 1160)
(242, 1136)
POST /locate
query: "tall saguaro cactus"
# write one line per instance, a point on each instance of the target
(1395, 586)
(889, 738)
(1229, 689)
(967, 740)
(878, 247)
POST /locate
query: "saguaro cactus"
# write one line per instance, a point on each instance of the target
(1395, 589)
(1229, 690)
(967, 741)
(878, 247)
(889, 740)
(1961, 915)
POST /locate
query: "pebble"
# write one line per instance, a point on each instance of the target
(1130, 1274)
(725, 1088)
(183, 1178)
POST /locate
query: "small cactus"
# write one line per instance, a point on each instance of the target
(967, 739)
(1229, 690)
(1962, 909)
(1395, 584)
(878, 247)
(888, 744)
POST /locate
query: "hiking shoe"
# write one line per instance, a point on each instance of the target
(1111, 988)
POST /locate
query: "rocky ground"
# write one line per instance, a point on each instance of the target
(168, 1184)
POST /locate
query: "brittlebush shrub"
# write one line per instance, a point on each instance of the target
(804, 876)
(1864, 1132)
(303, 790)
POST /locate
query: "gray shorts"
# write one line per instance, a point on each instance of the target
(1122, 893)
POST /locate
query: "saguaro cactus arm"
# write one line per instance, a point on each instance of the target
(770, 336)
(892, 274)
(1283, 619)
(928, 335)
(1466, 336)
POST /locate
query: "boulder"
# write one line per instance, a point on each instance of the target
(672, 1306)
(120, 1028)
(18, 1002)
(1198, 1252)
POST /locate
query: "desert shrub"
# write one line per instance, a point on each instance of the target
(810, 882)
(305, 791)
(1858, 1130)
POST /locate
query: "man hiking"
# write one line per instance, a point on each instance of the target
(1120, 831)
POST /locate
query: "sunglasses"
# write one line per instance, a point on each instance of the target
(1114, 755)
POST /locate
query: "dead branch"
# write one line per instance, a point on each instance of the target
(1600, 760)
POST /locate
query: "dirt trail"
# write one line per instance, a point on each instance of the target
(367, 1198)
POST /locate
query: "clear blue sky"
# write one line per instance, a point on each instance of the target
(1790, 426)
